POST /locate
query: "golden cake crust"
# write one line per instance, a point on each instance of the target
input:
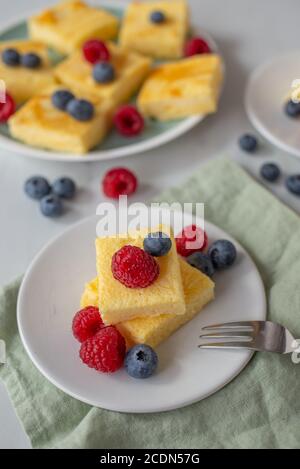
(66, 26)
(198, 291)
(165, 40)
(118, 303)
(21, 82)
(184, 88)
(131, 69)
(39, 123)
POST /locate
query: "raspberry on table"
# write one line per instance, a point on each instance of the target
(191, 234)
(134, 267)
(86, 323)
(95, 51)
(128, 121)
(7, 108)
(119, 181)
(105, 351)
(195, 46)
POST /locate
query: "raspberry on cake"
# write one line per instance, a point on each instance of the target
(180, 89)
(156, 28)
(122, 75)
(198, 291)
(118, 303)
(23, 82)
(39, 123)
(68, 25)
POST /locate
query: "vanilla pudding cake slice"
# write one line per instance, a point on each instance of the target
(130, 71)
(164, 39)
(24, 82)
(40, 124)
(68, 25)
(198, 291)
(118, 303)
(184, 88)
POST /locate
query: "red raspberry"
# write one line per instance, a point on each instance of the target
(105, 351)
(197, 45)
(128, 121)
(7, 109)
(191, 234)
(119, 181)
(134, 267)
(86, 323)
(95, 51)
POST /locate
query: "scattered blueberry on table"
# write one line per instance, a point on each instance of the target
(80, 109)
(50, 197)
(103, 72)
(31, 60)
(270, 172)
(141, 361)
(222, 254)
(61, 98)
(11, 57)
(292, 109)
(64, 187)
(248, 143)
(157, 17)
(37, 187)
(51, 206)
(293, 184)
(202, 262)
(157, 244)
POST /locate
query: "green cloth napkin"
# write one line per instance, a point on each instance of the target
(259, 409)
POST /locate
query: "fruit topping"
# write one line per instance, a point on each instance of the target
(134, 267)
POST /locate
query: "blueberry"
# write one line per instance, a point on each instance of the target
(51, 206)
(157, 244)
(201, 262)
(141, 361)
(61, 98)
(11, 57)
(103, 72)
(222, 254)
(292, 109)
(64, 187)
(248, 143)
(31, 60)
(80, 109)
(270, 172)
(37, 187)
(157, 17)
(293, 184)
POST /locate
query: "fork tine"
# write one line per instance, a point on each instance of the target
(226, 335)
(230, 325)
(225, 345)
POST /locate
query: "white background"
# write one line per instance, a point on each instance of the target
(248, 33)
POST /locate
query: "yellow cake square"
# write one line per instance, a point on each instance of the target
(68, 25)
(130, 71)
(118, 303)
(184, 88)
(40, 124)
(198, 291)
(164, 40)
(22, 82)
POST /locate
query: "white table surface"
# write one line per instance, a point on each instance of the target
(248, 33)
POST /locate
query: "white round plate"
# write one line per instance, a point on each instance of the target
(267, 91)
(114, 145)
(50, 295)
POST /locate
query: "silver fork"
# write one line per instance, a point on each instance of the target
(262, 336)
